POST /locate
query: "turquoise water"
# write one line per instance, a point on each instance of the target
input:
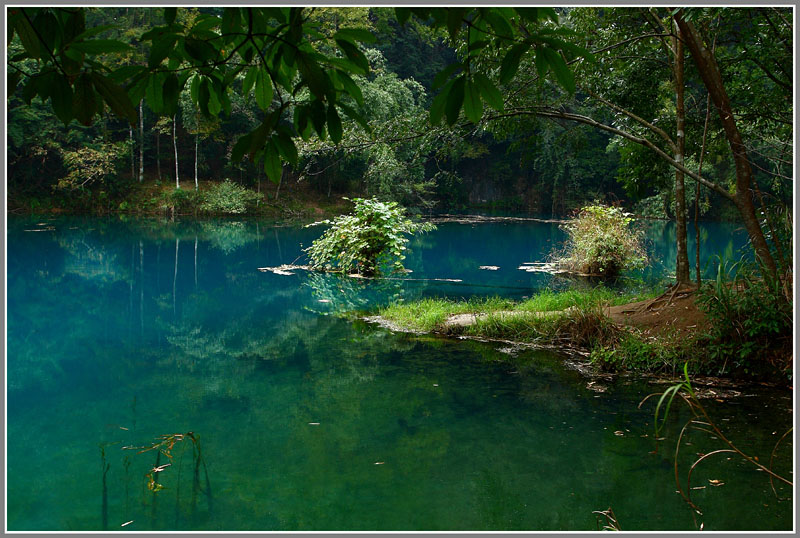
(121, 332)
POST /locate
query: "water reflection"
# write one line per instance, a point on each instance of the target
(123, 331)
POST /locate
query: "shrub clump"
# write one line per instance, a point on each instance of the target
(228, 197)
(751, 320)
(601, 243)
(372, 236)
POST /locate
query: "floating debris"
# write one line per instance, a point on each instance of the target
(126, 523)
(478, 219)
(313, 423)
(285, 269)
(436, 384)
(379, 462)
(619, 433)
(716, 482)
(489, 267)
(323, 300)
(48, 229)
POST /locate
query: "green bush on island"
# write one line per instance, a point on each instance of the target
(373, 235)
(228, 197)
(601, 242)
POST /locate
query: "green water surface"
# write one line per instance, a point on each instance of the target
(123, 331)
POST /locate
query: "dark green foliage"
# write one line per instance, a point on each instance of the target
(373, 235)
(751, 320)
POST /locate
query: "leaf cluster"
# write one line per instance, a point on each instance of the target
(373, 235)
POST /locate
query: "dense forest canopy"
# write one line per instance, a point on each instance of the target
(678, 113)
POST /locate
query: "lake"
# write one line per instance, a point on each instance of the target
(126, 333)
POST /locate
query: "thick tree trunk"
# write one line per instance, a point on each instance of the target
(682, 275)
(175, 146)
(141, 141)
(712, 78)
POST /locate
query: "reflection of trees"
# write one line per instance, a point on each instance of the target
(228, 236)
(338, 294)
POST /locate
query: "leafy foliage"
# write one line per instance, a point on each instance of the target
(373, 235)
(751, 319)
(602, 243)
(91, 164)
(228, 197)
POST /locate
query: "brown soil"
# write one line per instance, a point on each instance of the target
(658, 318)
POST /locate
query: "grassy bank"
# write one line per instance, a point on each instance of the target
(614, 337)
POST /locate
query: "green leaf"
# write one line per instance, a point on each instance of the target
(272, 162)
(169, 14)
(214, 102)
(347, 65)
(355, 34)
(241, 147)
(441, 77)
(61, 98)
(162, 47)
(402, 14)
(115, 96)
(263, 89)
(510, 63)
(318, 117)
(454, 21)
(355, 116)
(354, 54)
(101, 46)
(313, 75)
(91, 32)
(350, 87)
(473, 106)
(231, 20)
(455, 98)
(499, 23)
(30, 89)
(28, 37)
(171, 94)
(559, 66)
(154, 93)
(541, 63)
(334, 124)
(285, 146)
(438, 105)
(249, 80)
(84, 99)
(199, 49)
(489, 91)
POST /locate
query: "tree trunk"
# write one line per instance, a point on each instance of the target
(133, 153)
(158, 154)
(697, 192)
(682, 275)
(712, 79)
(141, 141)
(175, 145)
(196, 142)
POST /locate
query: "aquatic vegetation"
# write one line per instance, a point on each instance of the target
(373, 235)
(701, 421)
(602, 243)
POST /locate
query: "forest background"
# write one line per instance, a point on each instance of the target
(581, 105)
